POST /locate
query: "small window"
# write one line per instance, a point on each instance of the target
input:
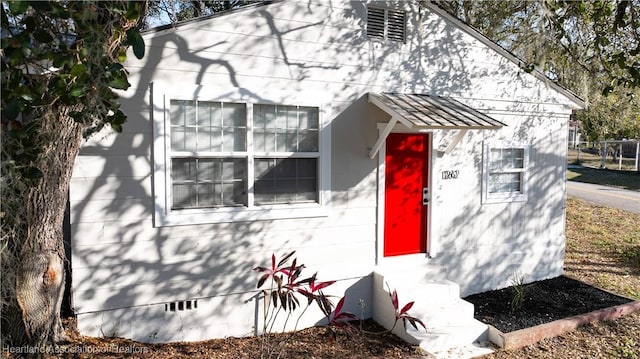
(505, 173)
(386, 24)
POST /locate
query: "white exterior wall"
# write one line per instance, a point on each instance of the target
(126, 267)
(483, 246)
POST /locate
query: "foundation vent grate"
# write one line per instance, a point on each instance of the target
(181, 305)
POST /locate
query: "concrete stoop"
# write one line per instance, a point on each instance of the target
(452, 332)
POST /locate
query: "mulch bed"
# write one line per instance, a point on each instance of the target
(370, 341)
(544, 302)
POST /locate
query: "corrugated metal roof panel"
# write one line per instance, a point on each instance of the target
(429, 111)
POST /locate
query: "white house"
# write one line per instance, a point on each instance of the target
(383, 141)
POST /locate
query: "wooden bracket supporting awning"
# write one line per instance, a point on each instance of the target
(422, 112)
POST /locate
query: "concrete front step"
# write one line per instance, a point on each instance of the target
(448, 318)
(442, 338)
(437, 313)
(408, 286)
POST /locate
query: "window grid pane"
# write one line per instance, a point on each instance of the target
(209, 182)
(286, 180)
(506, 158)
(217, 127)
(506, 168)
(505, 182)
(280, 128)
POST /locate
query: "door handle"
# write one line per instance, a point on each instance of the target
(425, 196)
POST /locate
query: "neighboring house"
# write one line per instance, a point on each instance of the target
(384, 142)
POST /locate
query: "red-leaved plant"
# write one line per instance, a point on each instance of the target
(282, 295)
(403, 313)
(337, 318)
(314, 292)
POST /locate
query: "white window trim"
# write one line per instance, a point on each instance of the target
(164, 215)
(522, 196)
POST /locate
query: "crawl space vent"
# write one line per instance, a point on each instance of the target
(181, 305)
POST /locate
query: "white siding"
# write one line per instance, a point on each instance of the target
(484, 246)
(125, 267)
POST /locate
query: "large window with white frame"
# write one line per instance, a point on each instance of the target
(235, 157)
(505, 172)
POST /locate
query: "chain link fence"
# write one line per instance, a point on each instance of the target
(620, 155)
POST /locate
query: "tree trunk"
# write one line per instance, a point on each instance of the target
(35, 259)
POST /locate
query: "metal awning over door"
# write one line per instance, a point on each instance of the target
(419, 111)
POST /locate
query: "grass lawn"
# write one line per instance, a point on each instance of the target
(603, 249)
(620, 179)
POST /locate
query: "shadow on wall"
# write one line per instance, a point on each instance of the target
(123, 263)
(120, 260)
(508, 235)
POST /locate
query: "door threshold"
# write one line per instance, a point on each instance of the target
(405, 259)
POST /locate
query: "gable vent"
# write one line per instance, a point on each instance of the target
(395, 25)
(386, 24)
(375, 23)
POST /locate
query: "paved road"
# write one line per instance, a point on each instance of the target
(603, 195)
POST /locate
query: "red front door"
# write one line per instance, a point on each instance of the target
(406, 175)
